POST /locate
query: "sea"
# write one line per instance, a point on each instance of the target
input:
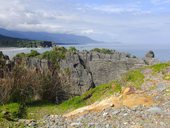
(161, 53)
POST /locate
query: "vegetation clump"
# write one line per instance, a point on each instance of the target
(12, 111)
(33, 53)
(54, 55)
(90, 96)
(57, 53)
(133, 78)
(102, 50)
(159, 67)
(166, 77)
(72, 49)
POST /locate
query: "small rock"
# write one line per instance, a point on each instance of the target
(161, 87)
(155, 110)
(150, 54)
(75, 124)
(91, 125)
(105, 114)
(125, 114)
(115, 112)
(107, 125)
(162, 124)
(129, 90)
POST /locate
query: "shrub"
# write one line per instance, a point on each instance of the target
(72, 49)
(33, 53)
(103, 50)
(55, 54)
(20, 55)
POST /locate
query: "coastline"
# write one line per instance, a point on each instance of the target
(162, 54)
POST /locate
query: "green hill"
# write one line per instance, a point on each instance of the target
(16, 42)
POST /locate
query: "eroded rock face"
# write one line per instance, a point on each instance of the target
(81, 71)
(86, 70)
(90, 69)
(5, 64)
(150, 54)
(150, 58)
(105, 70)
(81, 78)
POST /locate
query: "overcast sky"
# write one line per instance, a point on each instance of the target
(127, 21)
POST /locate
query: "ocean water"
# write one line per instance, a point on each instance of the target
(162, 54)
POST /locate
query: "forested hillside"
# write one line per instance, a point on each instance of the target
(16, 42)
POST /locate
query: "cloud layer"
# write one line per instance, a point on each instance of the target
(128, 21)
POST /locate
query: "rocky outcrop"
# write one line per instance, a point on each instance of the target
(150, 58)
(90, 69)
(150, 54)
(81, 77)
(5, 64)
(107, 67)
(80, 71)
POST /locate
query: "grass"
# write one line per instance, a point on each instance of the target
(12, 109)
(166, 77)
(159, 67)
(9, 124)
(91, 96)
(133, 78)
(168, 91)
(153, 87)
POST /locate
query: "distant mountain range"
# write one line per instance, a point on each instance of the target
(57, 38)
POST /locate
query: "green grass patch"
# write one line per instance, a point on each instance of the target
(12, 109)
(8, 113)
(133, 78)
(159, 67)
(90, 96)
(153, 87)
(168, 91)
(39, 111)
(166, 77)
(10, 124)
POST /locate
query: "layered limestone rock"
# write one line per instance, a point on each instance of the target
(80, 71)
